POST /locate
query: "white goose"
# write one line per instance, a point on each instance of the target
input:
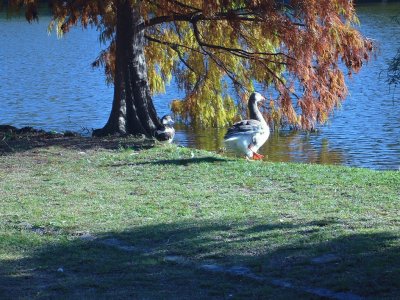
(166, 132)
(247, 136)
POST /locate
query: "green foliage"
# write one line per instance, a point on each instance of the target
(290, 48)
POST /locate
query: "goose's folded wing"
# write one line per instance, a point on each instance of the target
(246, 127)
(165, 133)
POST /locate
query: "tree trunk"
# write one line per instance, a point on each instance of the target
(132, 110)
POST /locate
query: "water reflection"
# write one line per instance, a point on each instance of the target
(301, 147)
(283, 146)
(48, 83)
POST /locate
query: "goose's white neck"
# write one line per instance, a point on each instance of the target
(255, 114)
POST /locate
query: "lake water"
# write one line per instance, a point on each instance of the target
(48, 83)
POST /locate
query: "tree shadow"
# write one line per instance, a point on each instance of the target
(287, 225)
(14, 140)
(132, 263)
(185, 161)
(177, 162)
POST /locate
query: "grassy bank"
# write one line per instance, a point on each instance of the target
(86, 222)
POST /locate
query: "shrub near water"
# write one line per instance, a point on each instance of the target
(108, 218)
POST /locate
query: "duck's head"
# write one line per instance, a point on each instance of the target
(256, 97)
(167, 120)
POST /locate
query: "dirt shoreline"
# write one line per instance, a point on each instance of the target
(13, 139)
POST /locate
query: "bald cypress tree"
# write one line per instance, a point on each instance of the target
(292, 47)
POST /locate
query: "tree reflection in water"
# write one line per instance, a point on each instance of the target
(284, 146)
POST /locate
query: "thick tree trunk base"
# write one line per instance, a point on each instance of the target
(101, 132)
(133, 111)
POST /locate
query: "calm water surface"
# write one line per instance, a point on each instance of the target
(48, 83)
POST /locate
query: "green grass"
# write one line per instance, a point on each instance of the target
(274, 218)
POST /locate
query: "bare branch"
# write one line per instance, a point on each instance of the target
(152, 39)
(185, 5)
(241, 16)
(236, 51)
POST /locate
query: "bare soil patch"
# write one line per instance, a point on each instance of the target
(24, 139)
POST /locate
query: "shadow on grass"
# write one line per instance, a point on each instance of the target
(14, 140)
(316, 224)
(178, 162)
(185, 161)
(131, 264)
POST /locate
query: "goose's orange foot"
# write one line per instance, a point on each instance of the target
(257, 156)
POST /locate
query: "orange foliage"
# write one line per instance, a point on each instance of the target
(292, 46)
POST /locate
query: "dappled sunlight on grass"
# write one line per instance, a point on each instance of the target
(132, 262)
(99, 223)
